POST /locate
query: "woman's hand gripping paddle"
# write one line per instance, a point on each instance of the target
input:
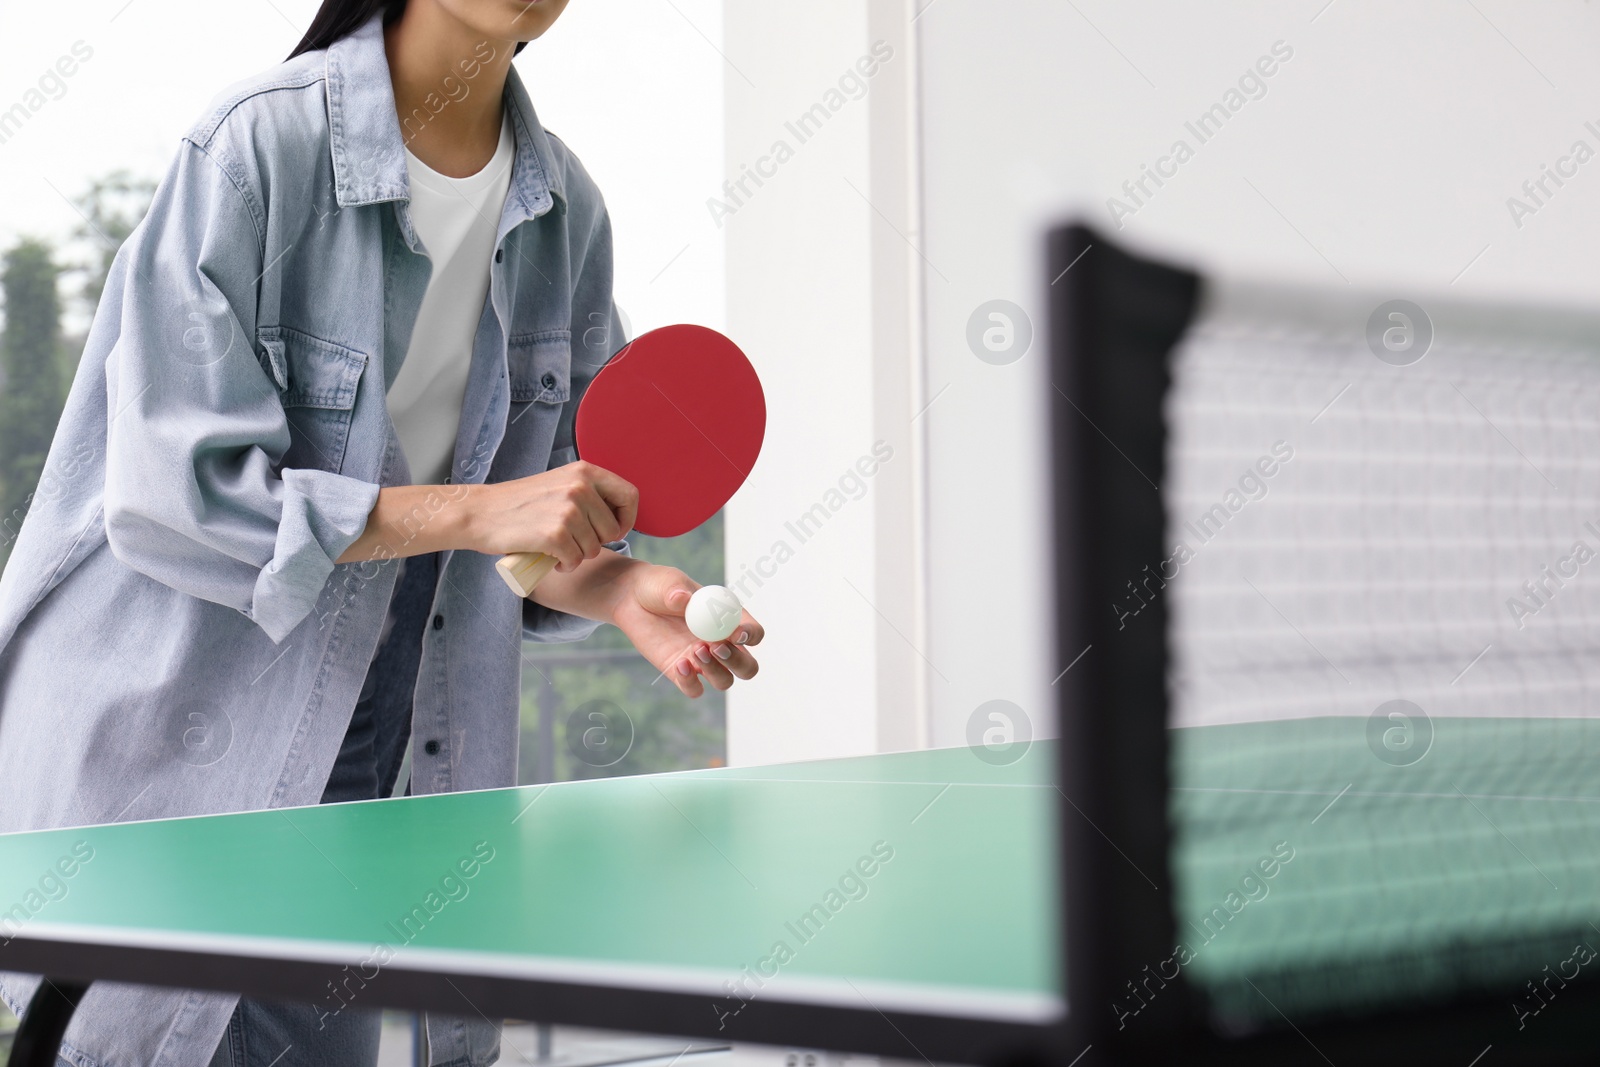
(679, 413)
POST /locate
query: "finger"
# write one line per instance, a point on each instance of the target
(666, 591)
(749, 632)
(582, 533)
(684, 677)
(712, 668)
(566, 552)
(619, 494)
(736, 659)
(600, 518)
(588, 515)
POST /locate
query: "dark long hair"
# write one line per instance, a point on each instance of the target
(338, 19)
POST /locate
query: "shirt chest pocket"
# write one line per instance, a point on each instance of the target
(540, 366)
(317, 383)
(540, 369)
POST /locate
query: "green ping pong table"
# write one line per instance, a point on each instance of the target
(895, 903)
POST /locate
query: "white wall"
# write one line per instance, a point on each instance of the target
(634, 87)
(1382, 153)
(820, 292)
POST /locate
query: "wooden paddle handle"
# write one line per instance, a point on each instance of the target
(524, 570)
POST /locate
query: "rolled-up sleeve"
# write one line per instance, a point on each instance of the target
(195, 495)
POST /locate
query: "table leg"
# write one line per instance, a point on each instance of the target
(39, 1040)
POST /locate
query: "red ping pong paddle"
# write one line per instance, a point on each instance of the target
(679, 413)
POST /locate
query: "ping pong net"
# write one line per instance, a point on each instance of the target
(1380, 575)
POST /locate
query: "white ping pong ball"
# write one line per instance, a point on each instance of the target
(713, 613)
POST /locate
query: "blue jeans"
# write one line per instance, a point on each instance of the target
(261, 1031)
(266, 1033)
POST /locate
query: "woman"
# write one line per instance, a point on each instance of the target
(331, 380)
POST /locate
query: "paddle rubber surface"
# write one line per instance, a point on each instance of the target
(678, 412)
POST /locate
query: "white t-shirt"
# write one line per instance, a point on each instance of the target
(457, 219)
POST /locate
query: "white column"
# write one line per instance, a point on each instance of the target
(824, 543)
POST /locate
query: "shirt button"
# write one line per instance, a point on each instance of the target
(431, 748)
(499, 255)
(548, 381)
(438, 622)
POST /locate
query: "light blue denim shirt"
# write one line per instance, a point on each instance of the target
(175, 637)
